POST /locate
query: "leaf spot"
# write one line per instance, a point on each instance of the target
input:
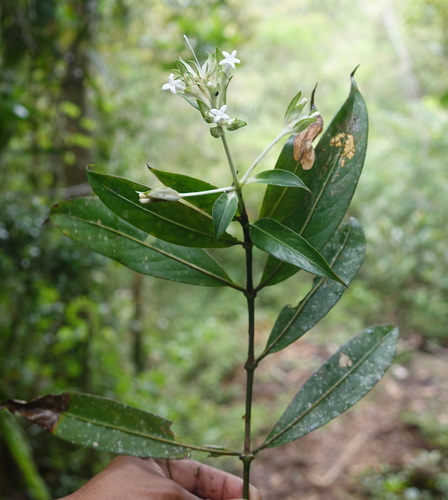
(345, 361)
(347, 142)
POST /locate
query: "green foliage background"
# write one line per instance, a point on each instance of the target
(80, 83)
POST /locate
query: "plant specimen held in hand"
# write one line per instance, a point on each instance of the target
(165, 233)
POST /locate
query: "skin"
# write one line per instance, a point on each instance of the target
(131, 478)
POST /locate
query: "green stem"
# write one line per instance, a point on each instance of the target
(228, 189)
(262, 155)
(251, 363)
(250, 293)
(236, 182)
(247, 461)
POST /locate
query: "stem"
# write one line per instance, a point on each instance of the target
(209, 191)
(236, 182)
(251, 363)
(247, 461)
(262, 155)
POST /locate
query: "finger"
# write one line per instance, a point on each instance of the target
(155, 480)
(203, 480)
(254, 494)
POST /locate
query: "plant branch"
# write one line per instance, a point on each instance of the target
(262, 155)
(209, 191)
(236, 182)
(251, 363)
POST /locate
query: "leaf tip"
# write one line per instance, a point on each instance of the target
(313, 93)
(44, 411)
(352, 74)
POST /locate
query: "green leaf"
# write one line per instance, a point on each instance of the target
(345, 253)
(88, 221)
(107, 425)
(286, 245)
(342, 381)
(185, 184)
(280, 201)
(170, 221)
(21, 452)
(293, 105)
(278, 177)
(340, 157)
(102, 424)
(223, 212)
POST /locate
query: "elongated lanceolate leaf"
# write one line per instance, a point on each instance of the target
(224, 210)
(278, 177)
(345, 253)
(280, 201)
(340, 157)
(101, 424)
(170, 221)
(185, 184)
(286, 245)
(342, 381)
(88, 221)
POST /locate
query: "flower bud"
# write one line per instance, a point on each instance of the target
(235, 124)
(158, 194)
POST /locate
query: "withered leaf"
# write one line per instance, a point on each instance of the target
(303, 143)
(43, 411)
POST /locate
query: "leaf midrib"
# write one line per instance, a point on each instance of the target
(325, 395)
(311, 293)
(160, 251)
(311, 212)
(141, 207)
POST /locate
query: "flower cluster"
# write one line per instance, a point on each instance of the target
(205, 87)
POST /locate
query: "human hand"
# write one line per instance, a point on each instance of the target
(131, 478)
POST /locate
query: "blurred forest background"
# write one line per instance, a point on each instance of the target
(80, 83)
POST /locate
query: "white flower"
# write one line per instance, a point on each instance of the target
(230, 59)
(219, 115)
(174, 85)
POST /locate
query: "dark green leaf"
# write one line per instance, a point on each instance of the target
(278, 177)
(345, 253)
(223, 212)
(342, 381)
(286, 245)
(280, 201)
(170, 221)
(101, 424)
(107, 425)
(88, 221)
(185, 184)
(340, 157)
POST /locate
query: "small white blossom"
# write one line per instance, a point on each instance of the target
(219, 115)
(230, 59)
(173, 85)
